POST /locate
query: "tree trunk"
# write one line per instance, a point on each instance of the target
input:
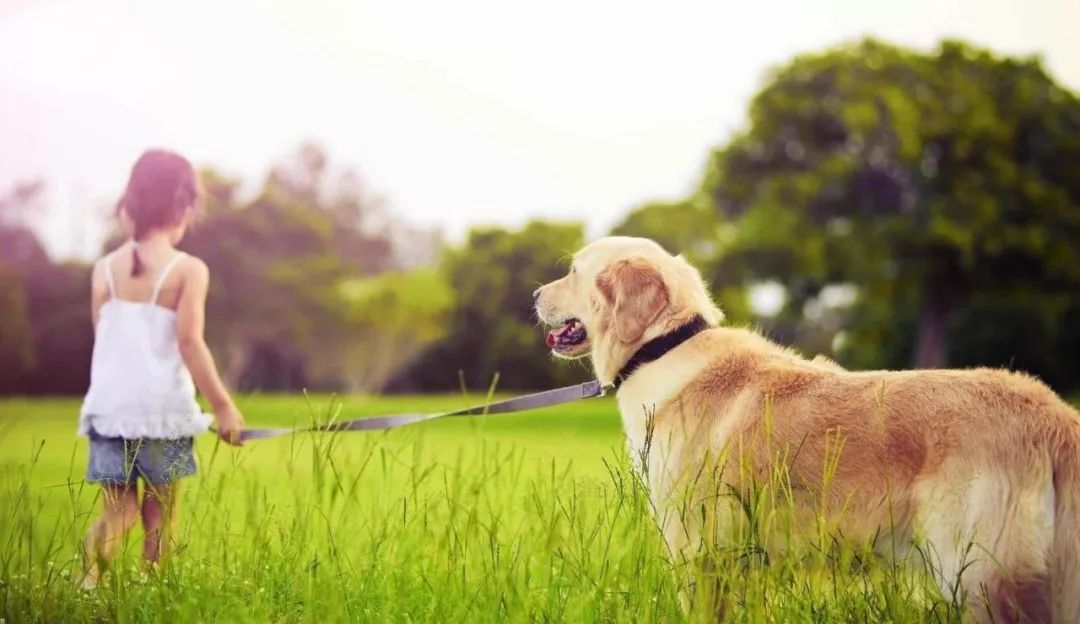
(930, 348)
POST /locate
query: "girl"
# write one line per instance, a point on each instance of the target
(147, 304)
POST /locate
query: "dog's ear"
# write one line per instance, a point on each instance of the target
(636, 294)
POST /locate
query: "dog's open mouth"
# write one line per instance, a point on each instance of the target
(567, 338)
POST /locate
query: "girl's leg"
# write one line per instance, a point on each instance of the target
(160, 508)
(121, 508)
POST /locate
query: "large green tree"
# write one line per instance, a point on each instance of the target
(492, 329)
(302, 291)
(921, 179)
(16, 332)
(296, 272)
(690, 227)
(44, 315)
(289, 306)
(273, 275)
(393, 317)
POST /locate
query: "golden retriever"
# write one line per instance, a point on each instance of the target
(979, 469)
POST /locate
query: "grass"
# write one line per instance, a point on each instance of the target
(531, 517)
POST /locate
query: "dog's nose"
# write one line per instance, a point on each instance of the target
(536, 293)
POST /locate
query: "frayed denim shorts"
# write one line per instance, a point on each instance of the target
(119, 461)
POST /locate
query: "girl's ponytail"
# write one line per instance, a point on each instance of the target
(137, 266)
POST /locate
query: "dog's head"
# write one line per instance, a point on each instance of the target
(620, 293)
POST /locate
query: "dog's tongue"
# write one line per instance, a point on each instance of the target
(554, 335)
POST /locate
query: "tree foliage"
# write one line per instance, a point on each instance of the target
(915, 207)
(16, 333)
(286, 269)
(492, 329)
(43, 307)
(301, 288)
(942, 188)
(395, 316)
(690, 227)
(923, 179)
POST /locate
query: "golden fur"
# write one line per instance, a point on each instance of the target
(978, 468)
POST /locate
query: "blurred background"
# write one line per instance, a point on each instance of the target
(891, 185)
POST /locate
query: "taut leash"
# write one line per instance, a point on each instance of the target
(547, 398)
(650, 351)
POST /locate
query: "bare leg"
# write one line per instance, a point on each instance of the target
(121, 506)
(160, 507)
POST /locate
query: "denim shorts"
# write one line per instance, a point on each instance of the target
(119, 461)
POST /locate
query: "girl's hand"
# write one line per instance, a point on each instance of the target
(230, 424)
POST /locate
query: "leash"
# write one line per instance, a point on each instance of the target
(547, 398)
(650, 351)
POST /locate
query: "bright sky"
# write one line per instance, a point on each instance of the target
(458, 112)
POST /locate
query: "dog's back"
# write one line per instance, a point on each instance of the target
(981, 466)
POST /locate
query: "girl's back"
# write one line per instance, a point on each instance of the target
(156, 270)
(139, 385)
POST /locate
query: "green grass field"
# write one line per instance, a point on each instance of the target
(530, 517)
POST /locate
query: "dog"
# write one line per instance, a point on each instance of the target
(976, 470)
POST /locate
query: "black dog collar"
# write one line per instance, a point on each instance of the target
(659, 346)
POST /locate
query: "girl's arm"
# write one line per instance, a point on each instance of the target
(190, 321)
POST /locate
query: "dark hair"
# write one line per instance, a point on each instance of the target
(162, 186)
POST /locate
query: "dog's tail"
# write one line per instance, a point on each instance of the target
(1065, 558)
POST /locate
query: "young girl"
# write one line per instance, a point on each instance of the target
(147, 304)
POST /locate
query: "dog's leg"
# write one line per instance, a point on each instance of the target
(988, 543)
(711, 541)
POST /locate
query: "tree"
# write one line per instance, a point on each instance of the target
(303, 293)
(19, 247)
(273, 279)
(689, 227)
(22, 259)
(276, 313)
(16, 332)
(292, 276)
(396, 315)
(921, 179)
(58, 306)
(492, 329)
(360, 223)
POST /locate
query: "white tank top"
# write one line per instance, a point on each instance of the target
(139, 385)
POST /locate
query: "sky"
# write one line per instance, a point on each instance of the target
(458, 113)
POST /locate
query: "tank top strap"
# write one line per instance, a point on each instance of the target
(164, 274)
(109, 276)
